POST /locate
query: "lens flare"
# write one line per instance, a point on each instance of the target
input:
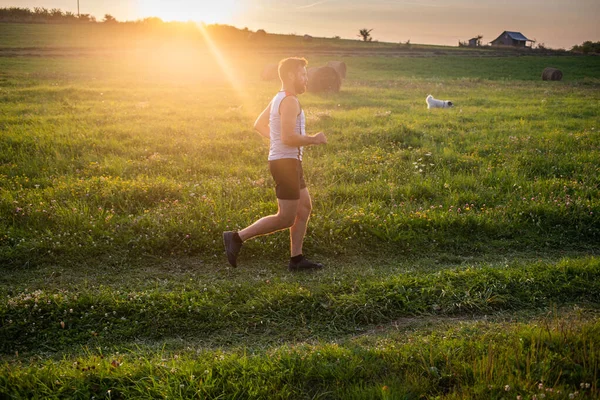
(225, 65)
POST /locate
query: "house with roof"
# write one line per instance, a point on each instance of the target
(515, 39)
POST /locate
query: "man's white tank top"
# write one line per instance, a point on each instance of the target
(278, 150)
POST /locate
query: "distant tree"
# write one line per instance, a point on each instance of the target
(41, 11)
(69, 16)
(337, 37)
(587, 47)
(16, 14)
(479, 37)
(151, 21)
(87, 18)
(41, 14)
(365, 34)
(109, 19)
(56, 14)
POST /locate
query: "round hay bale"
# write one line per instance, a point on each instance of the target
(270, 72)
(551, 74)
(339, 66)
(323, 79)
(258, 35)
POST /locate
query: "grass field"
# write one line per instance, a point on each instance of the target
(461, 245)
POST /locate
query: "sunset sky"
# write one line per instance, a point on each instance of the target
(556, 23)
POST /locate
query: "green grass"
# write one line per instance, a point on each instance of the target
(287, 309)
(119, 172)
(476, 360)
(148, 163)
(437, 70)
(117, 36)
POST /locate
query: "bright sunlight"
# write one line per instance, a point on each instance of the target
(208, 11)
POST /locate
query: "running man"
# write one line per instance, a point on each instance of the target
(283, 121)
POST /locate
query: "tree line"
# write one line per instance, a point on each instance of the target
(587, 47)
(45, 15)
(40, 15)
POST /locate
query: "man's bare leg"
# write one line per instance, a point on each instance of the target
(285, 217)
(298, 230)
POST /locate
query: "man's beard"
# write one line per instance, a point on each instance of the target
(299, 87)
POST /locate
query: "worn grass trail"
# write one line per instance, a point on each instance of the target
(282, 307)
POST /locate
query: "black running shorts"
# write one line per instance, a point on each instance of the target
(289, 178)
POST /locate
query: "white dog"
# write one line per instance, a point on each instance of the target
(435, 103)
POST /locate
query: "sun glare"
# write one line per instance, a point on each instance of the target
(228, 70)
(207, 11)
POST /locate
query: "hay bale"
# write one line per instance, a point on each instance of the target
(339, 66)
(257, 36)
(270, 72)
(307, 38)
(323, 79)
(551, 74)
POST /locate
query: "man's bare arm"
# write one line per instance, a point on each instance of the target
(289, 110)
(262, 123)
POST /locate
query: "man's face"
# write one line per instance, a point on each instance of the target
(300, 80)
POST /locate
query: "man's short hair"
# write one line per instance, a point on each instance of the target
(290, 65)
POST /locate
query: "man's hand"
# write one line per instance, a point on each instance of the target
(319, 138)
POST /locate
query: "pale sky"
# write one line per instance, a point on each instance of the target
(556, 23)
